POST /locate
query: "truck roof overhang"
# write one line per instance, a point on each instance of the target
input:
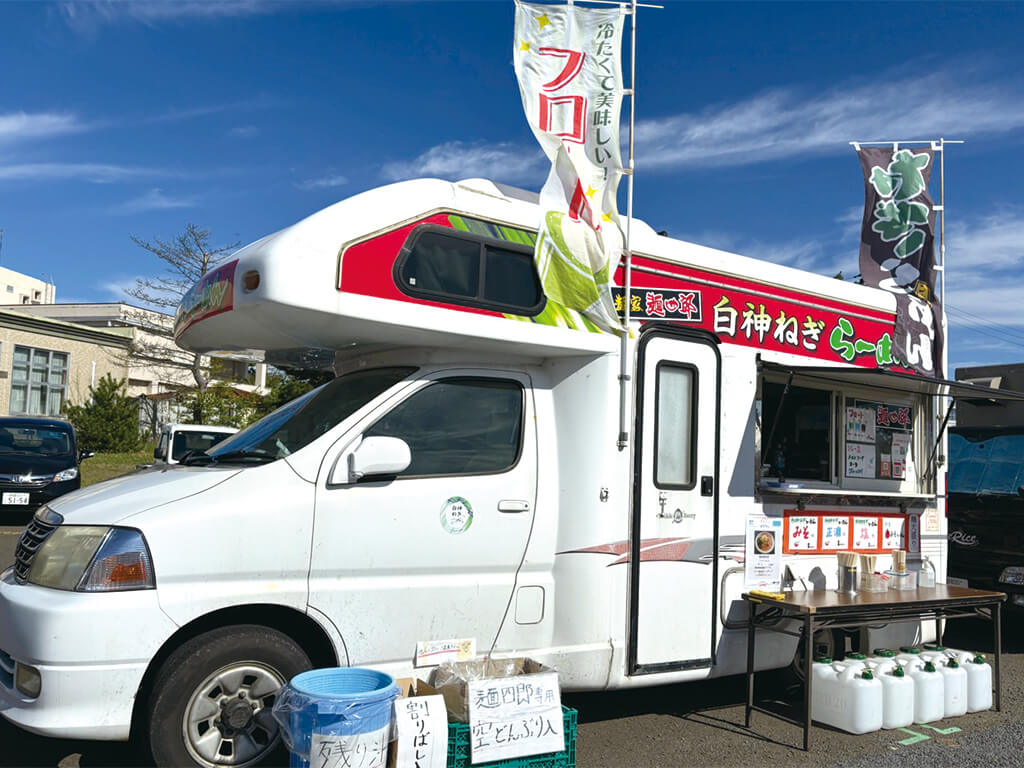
(894, 381)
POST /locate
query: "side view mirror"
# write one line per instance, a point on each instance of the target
(378, 456)
(83, 454)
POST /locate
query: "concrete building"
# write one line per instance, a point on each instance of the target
(16, 288)
(155, 364)
(45, 363)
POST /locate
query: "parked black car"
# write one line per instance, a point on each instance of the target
(985, 507)
(38, 462)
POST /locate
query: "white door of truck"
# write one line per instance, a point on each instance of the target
(674, 542)
(431, 554)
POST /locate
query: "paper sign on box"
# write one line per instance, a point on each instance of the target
(513, 717)
(421, 730)
(349, 750)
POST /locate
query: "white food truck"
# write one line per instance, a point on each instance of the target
(461, 478)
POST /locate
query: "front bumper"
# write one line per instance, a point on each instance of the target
(92, 651)
(37, 496)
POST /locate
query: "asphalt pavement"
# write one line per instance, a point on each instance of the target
(697, 724)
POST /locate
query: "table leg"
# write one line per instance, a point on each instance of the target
(997, 620)
(750, 659)
(938, 631)
(808, 661)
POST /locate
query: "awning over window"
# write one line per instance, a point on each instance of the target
(893, 381)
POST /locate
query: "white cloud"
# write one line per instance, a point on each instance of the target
(461, 160)
(20, 126)
(244, 131)
(153, 200)
(788, 123)
(324, 182)
(87, 15)
(99, 173)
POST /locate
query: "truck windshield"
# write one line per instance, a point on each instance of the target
(992, 465)
(300, 422)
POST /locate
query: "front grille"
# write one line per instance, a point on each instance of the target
(16, 482)
(31, 540)
(6, 670)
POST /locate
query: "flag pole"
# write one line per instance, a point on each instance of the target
(627, 294)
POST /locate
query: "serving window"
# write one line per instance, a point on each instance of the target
(841, 437)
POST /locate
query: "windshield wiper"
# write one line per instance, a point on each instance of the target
(205, 458)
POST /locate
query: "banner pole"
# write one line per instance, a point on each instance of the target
(624, 377)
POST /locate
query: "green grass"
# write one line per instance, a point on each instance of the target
(104, 466)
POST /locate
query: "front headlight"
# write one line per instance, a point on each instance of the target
(67, 474)
(93, 559)
(1012, 575)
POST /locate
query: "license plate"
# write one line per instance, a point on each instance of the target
(955, 582)
(15, 498)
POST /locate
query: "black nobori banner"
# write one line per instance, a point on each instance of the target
(897, 249)
(660, 304)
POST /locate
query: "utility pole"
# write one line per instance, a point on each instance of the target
(1, 242)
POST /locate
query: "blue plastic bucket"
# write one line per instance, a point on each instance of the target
(335, 702)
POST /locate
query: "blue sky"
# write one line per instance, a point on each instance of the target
(121, 119)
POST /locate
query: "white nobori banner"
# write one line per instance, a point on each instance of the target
(568, 63)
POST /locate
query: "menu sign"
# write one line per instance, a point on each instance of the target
(762, 565)
(878, 440)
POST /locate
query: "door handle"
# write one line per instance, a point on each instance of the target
(513, 505)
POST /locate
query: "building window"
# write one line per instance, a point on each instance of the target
(39, 381)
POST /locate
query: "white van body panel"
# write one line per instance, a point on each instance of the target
(113, 501)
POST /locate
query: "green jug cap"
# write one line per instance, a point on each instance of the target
(822, 660)
(953, 664)
(929, 667)
(933, 647)
(867, 674)
(885, 652)
(897, 671)
(857, 656)
(909, 649)
(979, 658)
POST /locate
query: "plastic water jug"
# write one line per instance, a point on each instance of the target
(897, 693)
(929, 690)
(846, 696)
(979, 676)
(955, 686)
(881, 655)
(979, 683)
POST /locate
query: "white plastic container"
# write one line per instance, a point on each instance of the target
(955, 687)
(979, 675)
(897, 693)
(846, 696)
(979, 684)
(929, 690)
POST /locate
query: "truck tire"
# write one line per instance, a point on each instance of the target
(212, 698)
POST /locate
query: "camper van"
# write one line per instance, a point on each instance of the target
(463, 481)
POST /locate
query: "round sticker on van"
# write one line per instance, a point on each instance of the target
(456, 515)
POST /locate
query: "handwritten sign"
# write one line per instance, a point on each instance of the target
(515, 717)
(860, 425)
(350, 750)
(865, 533)
(893, 533)
(421, 724)
(802, 533)
(431, 652)
(860, 460)
(835, 533)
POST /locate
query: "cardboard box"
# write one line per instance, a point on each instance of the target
(451, 680)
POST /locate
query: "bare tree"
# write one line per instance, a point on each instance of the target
(187, 256)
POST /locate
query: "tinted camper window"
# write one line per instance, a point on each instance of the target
(441, 264)
(801, 439)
